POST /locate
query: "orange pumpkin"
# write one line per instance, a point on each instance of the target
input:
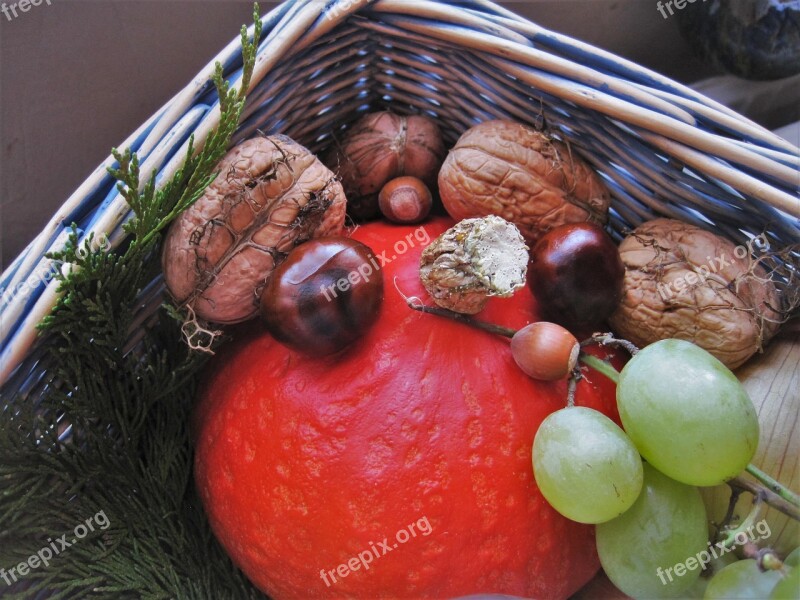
(400, 467)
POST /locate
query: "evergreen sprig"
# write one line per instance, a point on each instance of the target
(109, 432)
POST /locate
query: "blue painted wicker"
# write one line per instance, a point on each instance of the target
(663, 149)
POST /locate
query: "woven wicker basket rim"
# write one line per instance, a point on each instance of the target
(663, 148)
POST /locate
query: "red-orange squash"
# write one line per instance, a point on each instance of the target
(399, 468)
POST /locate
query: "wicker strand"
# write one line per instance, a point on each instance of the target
(662, 148)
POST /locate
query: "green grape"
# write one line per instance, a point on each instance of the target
(741, 580)
(787, 588)
(585, 465)
(687, 413)
(657, 548)
(698, 589)
(793, 559)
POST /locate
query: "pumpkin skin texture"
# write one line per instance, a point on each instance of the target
(304, 462)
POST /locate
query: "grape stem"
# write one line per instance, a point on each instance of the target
(598, 364)
(746, 526)
(766, 558)
(738, 484)
(572, 386)
(774, 485)
(608, 339)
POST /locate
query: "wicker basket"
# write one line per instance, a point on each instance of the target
(663, 149)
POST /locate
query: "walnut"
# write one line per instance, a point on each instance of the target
(510, 170)
(382, 146)
(473, 261)
(271, 194)
(684, 282)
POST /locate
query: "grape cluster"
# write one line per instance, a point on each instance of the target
(693, 423)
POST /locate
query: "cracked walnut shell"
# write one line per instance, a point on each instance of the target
(271, 195)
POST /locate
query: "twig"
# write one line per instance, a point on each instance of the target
(416, 304)
(608, 339)
(572, 385)
(767, 495)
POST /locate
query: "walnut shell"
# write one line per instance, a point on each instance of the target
(684, 282)
(510, 170)
(271, 194)
(380, 147)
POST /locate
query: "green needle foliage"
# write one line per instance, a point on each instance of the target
(124, 389)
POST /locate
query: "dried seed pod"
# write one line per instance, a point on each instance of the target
(379, 147)
(684, 282)
(271, 194)
(510, 170)
(472, 261)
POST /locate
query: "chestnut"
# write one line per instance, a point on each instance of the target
(405, 200)
(576, 275)
(325, 295)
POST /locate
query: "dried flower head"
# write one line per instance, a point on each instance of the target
(473, 261)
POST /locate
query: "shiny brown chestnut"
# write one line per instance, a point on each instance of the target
(576, 275)
(325, 295)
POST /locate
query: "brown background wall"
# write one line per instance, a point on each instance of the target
(76, 77)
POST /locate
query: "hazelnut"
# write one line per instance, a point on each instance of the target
(545, 351)
(405, 200)
(379, 147)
